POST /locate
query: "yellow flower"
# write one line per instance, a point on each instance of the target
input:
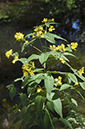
(25, 73)
(33, 36)
(74, 45)
(58, 80)
(15, 59)
(36, 28)
(51, 28)
(25, 67)
(53, 19)
(8, 53)
(62, 60)
(40, 28)
(42, 35)
(45, 20)
(33, 64)
(76, 83)
(18, 36)
(31, 72)
(39, 33)
(59, 77)
(26, 41)
(39, 89)
(81, 71)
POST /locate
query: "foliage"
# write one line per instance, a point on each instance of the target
(47, 99)
(10, 11)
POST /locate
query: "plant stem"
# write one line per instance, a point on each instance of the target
(36, 48)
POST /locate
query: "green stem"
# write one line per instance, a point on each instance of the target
(36, 48)
(41, 43)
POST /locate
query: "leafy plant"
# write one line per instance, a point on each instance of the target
(47, 99)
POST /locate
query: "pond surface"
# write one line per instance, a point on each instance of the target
(8, 71)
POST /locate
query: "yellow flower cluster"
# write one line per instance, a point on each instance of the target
(58, 80)
(15, 59)
(81, 71)
(76, 83)
(58, 48)
(28, 69)
(46, 20)
(39, 89)
(74, 45)
(38, 32)
(26, 41)
(62, 60)
(51, 28)
(18, 36)
(8, 53)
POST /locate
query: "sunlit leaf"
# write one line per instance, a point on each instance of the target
(74, 101)
(82, 84)
(49, 82)
(64, 86)
(72, 77)
(32, 57)
(58, 106)
(43, 57)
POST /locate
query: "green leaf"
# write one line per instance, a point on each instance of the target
(67, 123)
(32, 57)
(21, 115)
(15, 54)
(74, 101)
(49, 82)
(50, 106)
(43, 57)
(64, 86)
(39, 100)
(50, 96)
(26, 44)
(53, 36)
(50, 118)
(18, 79)
(12, 92)
(9, 86)
(82, 84)
(49, 38)
(69, 54)
(72, 77)
(23, 98)
(24, 60)
(29, 90)
(25, 82)
(46, 123)
(58, 106)
(58, 37)
(38, 70)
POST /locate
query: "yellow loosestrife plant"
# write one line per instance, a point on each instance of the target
(43, 105)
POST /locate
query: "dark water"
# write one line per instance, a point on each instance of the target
(70, 30)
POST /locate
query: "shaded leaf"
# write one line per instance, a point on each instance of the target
(23, 98)
(12, 92)
(67, 123)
